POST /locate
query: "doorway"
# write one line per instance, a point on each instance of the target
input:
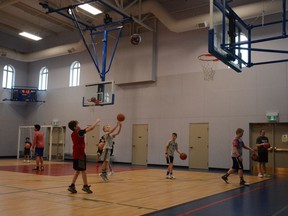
(139, 144)
(198, 145)
(277, 134)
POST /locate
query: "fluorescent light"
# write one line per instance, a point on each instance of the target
(30, 36)
(90, 9)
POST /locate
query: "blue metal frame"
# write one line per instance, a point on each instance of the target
(227, 11)
(104, 29)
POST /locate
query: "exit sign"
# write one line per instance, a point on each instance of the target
(272, 116)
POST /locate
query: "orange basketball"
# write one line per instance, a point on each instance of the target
(183, 156)
(266, 145)
(120, 117)
(27, 145)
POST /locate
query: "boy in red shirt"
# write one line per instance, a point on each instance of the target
(79, 157)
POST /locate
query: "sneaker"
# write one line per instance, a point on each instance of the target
(72, 189)
(111, 173)
(267, 175)
(172, 177)
(168, 176)
(36, 168)
(42, 168)
(260, 175)
(24, 161)
(225, 179)
(28, 161)
(103, 176)
(86, 188)
(243, 183)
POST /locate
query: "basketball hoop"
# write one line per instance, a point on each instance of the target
(208, 63)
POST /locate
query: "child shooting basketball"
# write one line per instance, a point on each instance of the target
(170, 148)
(237, 146)
(109, 136)
(27, 148)
(79, 157)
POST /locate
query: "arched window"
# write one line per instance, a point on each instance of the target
(74, 74)
(43, 79)
(8, 76)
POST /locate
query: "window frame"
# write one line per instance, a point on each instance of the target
(6, 73)
(75, 69)
(43, 79)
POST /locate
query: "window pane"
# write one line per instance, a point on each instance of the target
(8, 76)
(74, 74)
(43, 79)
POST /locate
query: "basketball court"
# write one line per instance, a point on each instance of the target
(130, 191)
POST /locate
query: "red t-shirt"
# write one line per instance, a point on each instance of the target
(38, 140)
(78, 143)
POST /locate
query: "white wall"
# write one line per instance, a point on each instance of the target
(179, 97)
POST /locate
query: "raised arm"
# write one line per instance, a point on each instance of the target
(90, 128)
(119, 129)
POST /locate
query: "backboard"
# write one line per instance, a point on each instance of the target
(228, 35)
(98, 94)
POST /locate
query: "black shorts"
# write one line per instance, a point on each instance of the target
(263, 155)
(237, 164)
(26, 151)
(79, 164)
(169, 159)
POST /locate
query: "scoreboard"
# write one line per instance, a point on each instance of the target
(24, 94)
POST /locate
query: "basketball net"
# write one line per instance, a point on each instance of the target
(208, 63)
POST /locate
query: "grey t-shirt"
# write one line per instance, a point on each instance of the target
(172, 146)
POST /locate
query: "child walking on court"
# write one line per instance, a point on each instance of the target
(170, 148)
(237, 146)
(109, 136)
(27, 148)
(79, 157)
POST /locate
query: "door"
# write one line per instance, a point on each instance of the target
(277, 134)
(92, 138)
(198, 145)
(139, 144)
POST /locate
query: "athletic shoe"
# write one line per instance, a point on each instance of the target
(103, 176)
(267, 175)
(260, 175)
(225, 179)
(42, 168)
(72, 189)
(172, 177)
(36, 168)
(111, 173)
(28, 161)
(86, 188)
(168, 176)
(243, 183)
(24, 161)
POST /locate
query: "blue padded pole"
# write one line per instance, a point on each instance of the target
(104, 55)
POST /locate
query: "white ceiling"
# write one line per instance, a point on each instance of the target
(28, 15)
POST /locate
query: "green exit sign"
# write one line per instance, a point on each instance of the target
(272, 117)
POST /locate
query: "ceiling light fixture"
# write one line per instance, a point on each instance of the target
(30, 36)
(90, 9)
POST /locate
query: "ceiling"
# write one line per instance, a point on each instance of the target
(27, 15)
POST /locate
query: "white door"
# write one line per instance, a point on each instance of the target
(139, 144)
(92, 138)
(198, 145)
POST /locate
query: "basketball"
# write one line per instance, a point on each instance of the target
(183, 156)
(93, 99)
(101, 146)
(254, 157)
(27, 146)
(120, 117)
(266, 145)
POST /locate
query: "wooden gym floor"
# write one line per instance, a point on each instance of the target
(130, 191)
